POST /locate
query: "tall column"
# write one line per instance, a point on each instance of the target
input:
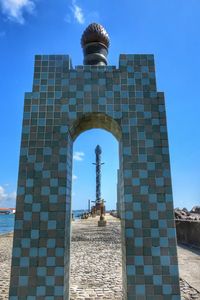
(40, 262)
(98, 173)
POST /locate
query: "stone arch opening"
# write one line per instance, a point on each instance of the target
(107, 264)
(95, 120)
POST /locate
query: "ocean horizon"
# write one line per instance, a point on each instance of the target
(7, 221)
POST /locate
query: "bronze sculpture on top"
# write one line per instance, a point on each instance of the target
(95, 43)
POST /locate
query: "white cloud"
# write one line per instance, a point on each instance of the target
(81, 16)
(74, 177)
(78, 13)
(78, 155)
(3, 194)
(15, 9)
(7, 199)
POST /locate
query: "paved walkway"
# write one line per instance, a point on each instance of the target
(189, 265)
(5, 261)
(96, 271)
(96, 263)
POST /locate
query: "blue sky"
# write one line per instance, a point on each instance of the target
(169, 29)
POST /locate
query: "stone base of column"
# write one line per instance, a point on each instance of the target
(102, 222)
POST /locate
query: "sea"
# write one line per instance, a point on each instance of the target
(7, 221)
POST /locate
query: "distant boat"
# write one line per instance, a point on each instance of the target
(7, 211)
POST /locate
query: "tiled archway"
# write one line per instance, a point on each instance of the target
(64, 102)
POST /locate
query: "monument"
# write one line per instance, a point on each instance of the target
(98, 173)
(64, 102)
(99, 207)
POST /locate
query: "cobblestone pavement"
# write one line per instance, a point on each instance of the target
(187, 292)
(95, 263)
(5, 260)
(189, 264)
(96, 271)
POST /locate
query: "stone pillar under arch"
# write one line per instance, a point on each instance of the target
(64, 102)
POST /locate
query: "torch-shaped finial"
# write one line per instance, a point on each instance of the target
(95, 42)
